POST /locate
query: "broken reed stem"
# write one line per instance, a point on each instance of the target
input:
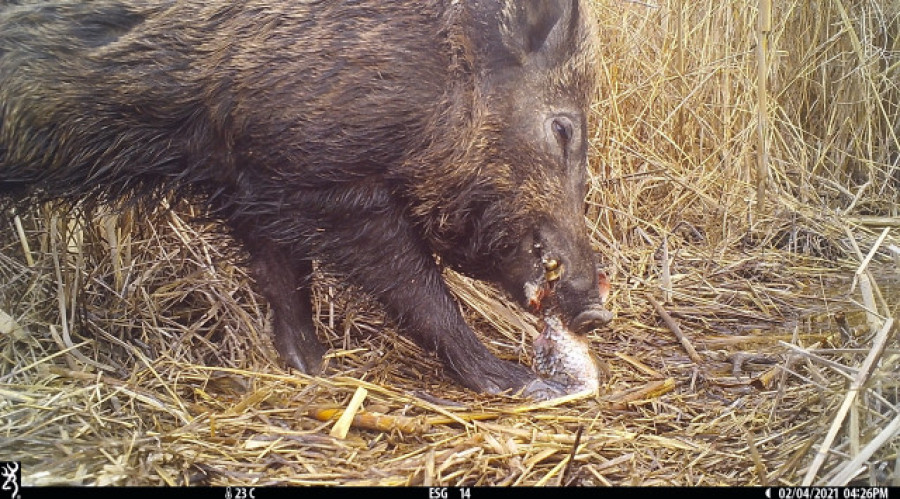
(895, 254)
(76, 246)
(868, 298)
(676, 330)
(666, 275)
(757, 459)
(55, 242)
(109, 226)
(865, 284)
(375, 421)
(679, 61)
(764, 27)
(853, 430)
(23, 241)
(654, 389)
(855, 466)
(878, 242)
(343, 424)
(861, 377)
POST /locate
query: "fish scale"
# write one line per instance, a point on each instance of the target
(565, 358)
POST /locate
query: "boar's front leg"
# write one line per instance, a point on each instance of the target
(285, 284)
(386, 256)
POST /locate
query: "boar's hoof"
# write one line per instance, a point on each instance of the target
(494, 376)
(590, 319)
(307, 360)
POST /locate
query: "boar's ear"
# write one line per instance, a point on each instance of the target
(543, 28)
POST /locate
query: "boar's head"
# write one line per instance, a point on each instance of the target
(508, 204)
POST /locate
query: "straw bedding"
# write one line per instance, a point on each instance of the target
(747, 226)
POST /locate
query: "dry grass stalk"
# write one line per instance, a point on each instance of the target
(666, 272)
(763, 30)
(26, 248)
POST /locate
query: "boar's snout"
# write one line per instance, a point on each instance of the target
(592, 318)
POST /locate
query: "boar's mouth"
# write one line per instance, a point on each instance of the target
(544, 295)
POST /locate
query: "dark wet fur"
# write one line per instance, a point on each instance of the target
(365, 135)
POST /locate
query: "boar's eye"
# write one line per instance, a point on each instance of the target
(562, 129)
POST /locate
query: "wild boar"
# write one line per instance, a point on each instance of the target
(382, 139)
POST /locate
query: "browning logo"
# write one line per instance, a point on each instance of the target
(11, 477)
